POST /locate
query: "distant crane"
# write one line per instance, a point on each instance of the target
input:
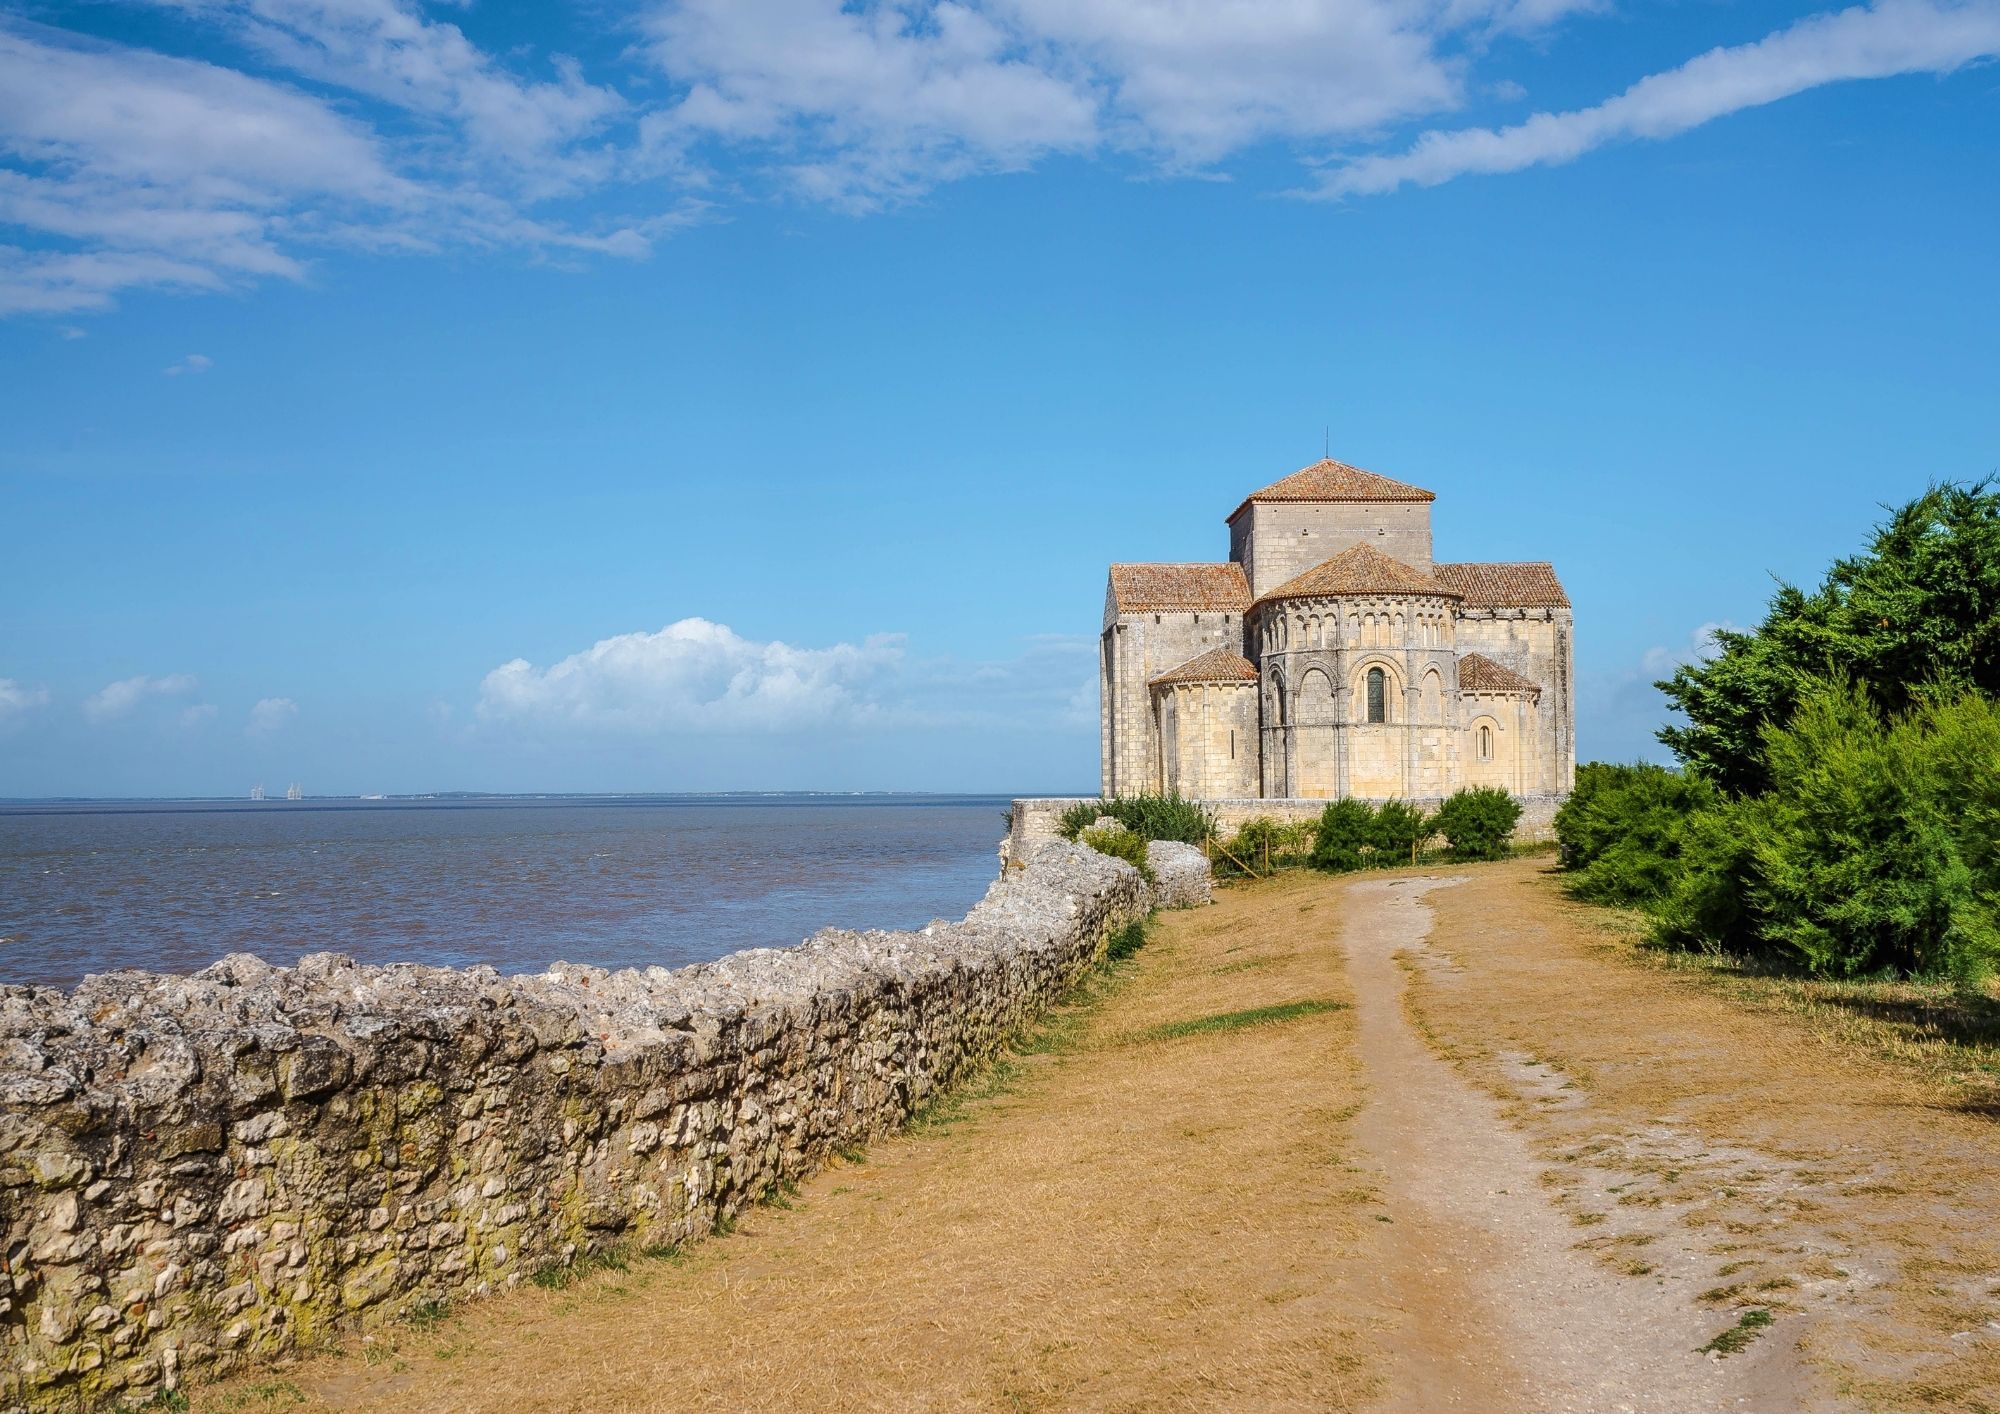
(257, 791)
(292, 792)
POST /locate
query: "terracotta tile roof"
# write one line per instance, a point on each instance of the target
(1479, 673)
(1150, 587)
(1329, 480)
(1359, 569)
(1216, 665)
(1532, 585)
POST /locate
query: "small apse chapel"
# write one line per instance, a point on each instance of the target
(1331, 656)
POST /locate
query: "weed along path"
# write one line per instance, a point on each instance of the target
(1400, 1142)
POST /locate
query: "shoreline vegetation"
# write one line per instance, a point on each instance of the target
(1475, 824)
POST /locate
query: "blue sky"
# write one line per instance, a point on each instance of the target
(700, 394)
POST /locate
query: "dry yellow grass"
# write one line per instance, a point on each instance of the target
(1146, 1216)
(1127, 1223)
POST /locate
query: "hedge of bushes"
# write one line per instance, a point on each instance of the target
(1349, 834)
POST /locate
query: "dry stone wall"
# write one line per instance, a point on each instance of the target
(196, 1172)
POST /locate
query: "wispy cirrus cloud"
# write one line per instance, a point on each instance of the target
(313, 125)
(1882, 40)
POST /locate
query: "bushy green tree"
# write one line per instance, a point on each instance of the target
(1874, 848)
(1913, 619)
(1706, 902)
(1398, 831)
(1622, 829)
(1478, 822)
(1346, 828)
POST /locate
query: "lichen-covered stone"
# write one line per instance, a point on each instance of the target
(199, 1171)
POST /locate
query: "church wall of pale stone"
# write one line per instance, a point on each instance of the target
(1208, 740)
(1275, 541)
(1341, 660)
(1134, 649)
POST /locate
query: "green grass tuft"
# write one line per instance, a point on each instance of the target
(1748, 1327)
(1237, 1020)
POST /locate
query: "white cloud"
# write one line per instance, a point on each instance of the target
(18, 699)
(1873, 41)
(1703, 644)
(198, 714)
(270, 714)
(861, 103)
(131, 169)
(122, 698)
(193, 363)
(693, 676)
(70, 331)
(372, 124)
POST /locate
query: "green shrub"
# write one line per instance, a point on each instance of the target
(1263, 842)
(1346, 829)
(1877, 846)
(1478, 822)
(1127, 941)
(1622, 830)
(1161, 817)
(1120, 844)
(1077, 818)
(1705, 904)
(1398, 832)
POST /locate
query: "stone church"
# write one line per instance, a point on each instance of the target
(1332, 656)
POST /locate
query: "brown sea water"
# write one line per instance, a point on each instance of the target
(513, 883)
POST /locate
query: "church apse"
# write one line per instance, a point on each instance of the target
(1332, 656)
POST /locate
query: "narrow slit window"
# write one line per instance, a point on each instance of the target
(1378, 704)
(1486, 743)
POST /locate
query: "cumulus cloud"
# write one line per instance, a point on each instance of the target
(198, 715)
(1868, 41)
(270, 714)
(122, 698)
(696, 677)
(693, 676)
(193, 363)
(17, 699)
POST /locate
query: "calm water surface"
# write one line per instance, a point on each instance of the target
(516, 884)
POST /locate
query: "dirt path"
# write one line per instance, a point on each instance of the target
(1425, 1147)
(1500, 1311)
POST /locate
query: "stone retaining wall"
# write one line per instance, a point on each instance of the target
(196, 1172)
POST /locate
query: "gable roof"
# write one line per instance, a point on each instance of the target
(1329, 480)
(1216, 665)
(1479, 673)
(1359, 569)
(1528, 585)
(1136, 588)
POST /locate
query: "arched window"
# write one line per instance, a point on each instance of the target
(1485, 743)
(1378, 703)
